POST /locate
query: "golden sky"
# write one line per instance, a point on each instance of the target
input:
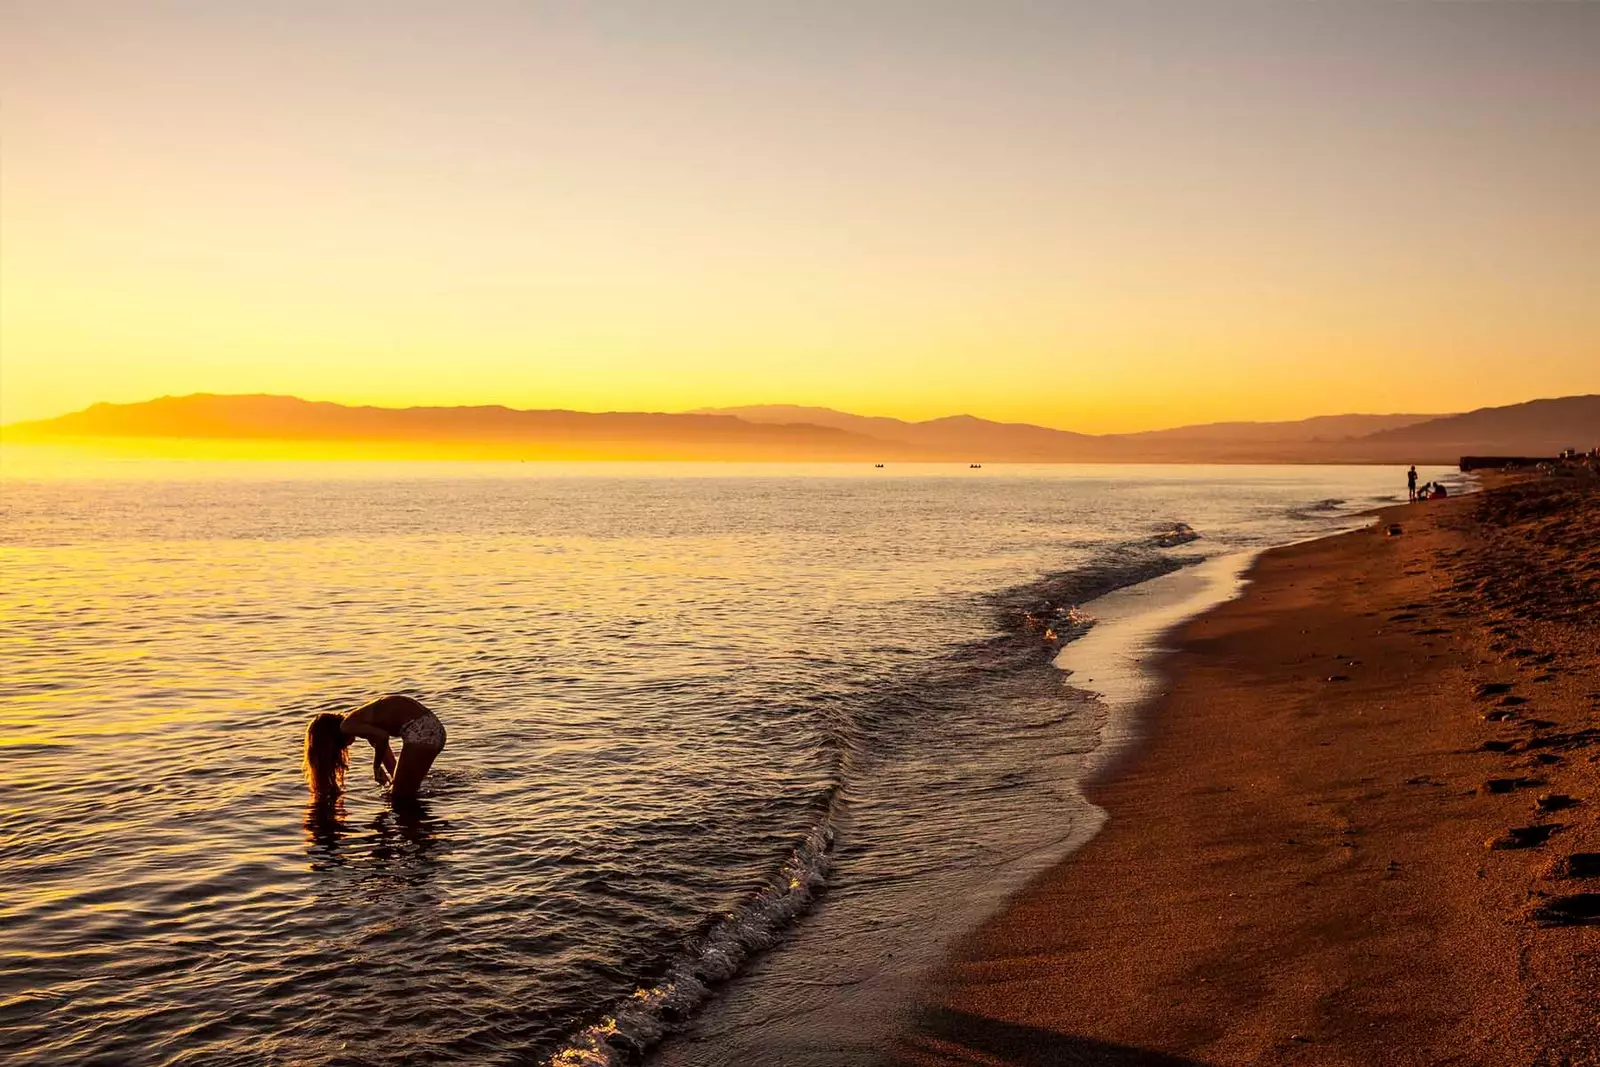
(1103, 217)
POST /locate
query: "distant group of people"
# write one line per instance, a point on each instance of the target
(1427, 491)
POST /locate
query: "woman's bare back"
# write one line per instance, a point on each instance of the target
(388, 713)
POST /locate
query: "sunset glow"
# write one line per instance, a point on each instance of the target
(1099, 218)
(799, 534)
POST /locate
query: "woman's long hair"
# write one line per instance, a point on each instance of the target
(327, 755)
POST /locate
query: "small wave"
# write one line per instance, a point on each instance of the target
(1319, 508)
(654, 1012)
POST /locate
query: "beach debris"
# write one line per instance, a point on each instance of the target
(1491, 689)
(1511, 702)
(1394, 529)
(1338, 677)
(1555, 802)
(1506, 785)
(1577, 865)
(1056, 622)
(1499, 716)
(1180, 534)
(1573, 910)
(1499, 746)
(1522, 837)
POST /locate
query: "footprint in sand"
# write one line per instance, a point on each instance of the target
(1507, 785)
(1577, 865)
(1574, 910)
(1522, 837)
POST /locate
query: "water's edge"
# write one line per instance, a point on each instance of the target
(1109, 658)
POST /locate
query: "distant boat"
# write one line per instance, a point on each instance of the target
(974, 466)
(878, 465)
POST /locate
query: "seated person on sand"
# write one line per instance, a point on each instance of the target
(328, 738)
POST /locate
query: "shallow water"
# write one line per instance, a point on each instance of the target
(687, 707)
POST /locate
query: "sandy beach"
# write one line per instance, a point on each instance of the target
(1360, 829)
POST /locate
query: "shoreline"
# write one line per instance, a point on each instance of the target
(1121, 659)
(1114, 664)
(1294, 867)
(1130, 623)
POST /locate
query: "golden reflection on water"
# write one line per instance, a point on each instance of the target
(647, 678)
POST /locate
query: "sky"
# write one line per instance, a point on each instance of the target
(1097, 216)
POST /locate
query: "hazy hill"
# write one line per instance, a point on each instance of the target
(1539, 427)
(1315, 439)
(1316, 428)
(956, 436)
(885, 429)
(1532, 428)
(490, 430)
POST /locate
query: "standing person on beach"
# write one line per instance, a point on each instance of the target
(1411, 482)
(328, 738)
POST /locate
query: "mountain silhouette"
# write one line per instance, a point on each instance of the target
(788, 432)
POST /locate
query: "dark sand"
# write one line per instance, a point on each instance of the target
(1297, 868)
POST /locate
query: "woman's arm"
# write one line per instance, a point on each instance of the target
(357, 724)
(360, 723)
(383, 763)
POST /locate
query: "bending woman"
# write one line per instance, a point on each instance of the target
(328, 738)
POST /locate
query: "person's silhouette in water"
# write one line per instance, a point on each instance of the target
(1411, 482)
(328, 738)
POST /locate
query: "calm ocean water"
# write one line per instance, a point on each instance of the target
(695, 712)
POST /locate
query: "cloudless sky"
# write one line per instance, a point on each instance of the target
(1102, 216)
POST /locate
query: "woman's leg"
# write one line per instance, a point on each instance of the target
(413, 767)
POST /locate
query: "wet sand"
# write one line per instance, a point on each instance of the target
(1342, 840)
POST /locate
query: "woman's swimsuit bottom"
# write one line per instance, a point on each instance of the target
(425, 729)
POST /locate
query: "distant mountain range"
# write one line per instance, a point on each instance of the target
(965, 434)
(767, 432)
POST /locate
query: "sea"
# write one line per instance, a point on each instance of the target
(735, 751)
